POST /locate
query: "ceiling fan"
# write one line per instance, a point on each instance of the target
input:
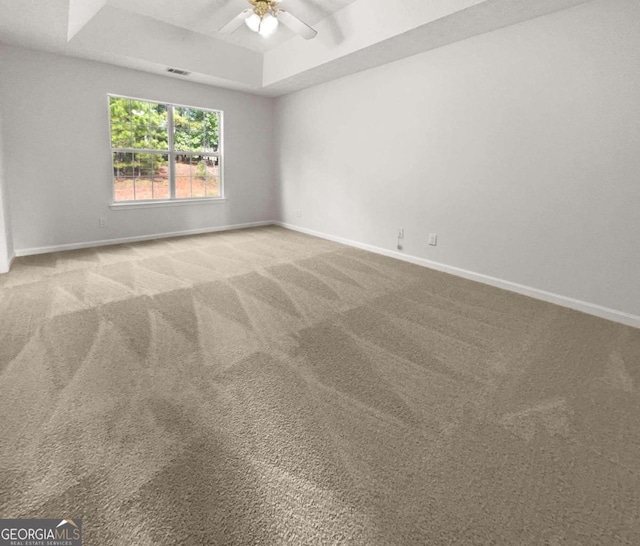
(264, 17)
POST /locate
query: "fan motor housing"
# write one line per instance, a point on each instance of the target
(262, 7)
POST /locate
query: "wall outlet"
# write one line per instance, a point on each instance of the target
(401, 233)
(433, 239)
(102, 222)
(298, 213)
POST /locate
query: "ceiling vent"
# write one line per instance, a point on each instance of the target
(178, 71)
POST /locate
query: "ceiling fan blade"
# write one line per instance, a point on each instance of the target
(236, 22)
(296, 25)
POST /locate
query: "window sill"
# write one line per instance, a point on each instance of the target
(125, 205)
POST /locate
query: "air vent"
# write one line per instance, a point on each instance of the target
(178, 71)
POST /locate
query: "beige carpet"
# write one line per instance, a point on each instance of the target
(265, 387)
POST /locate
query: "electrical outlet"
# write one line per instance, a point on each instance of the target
(401, 233)
(433, 239)
(298, 213)
(102, 222)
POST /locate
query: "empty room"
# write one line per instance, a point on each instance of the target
(319, 272)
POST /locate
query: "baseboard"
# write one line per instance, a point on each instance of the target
(136, 239)
(564, 301)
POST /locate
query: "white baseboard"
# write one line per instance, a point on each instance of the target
(577, 305)
(107, 242)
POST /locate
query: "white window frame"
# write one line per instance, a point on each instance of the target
(171, 153)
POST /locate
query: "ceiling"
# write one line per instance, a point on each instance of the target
(208, 16)
(353, 35)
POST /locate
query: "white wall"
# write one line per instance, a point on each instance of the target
(6, 240)
(520, 148)
(55, 111)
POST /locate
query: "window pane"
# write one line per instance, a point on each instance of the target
(120, 110)
(183, 188)
(159, 138)
(198, 187)
(141, 137)
(143, 188)
(143, 165)
(136, 176)
(160, 165)
(121, 136)
(123, 173)
(183, 176)
(208, 165)
(124, 189)
(159, 115)
(196, 130)
(199, 176)
(122, 164)
(213, 187)
(183, 166)
(211, 131)
(160, 189)
(140, 112)
(182, 134)
(209, 169)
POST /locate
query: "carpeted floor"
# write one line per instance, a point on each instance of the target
(265, 387)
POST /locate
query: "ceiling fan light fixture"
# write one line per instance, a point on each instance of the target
(264, 17)
(269, 25)
(254, 22)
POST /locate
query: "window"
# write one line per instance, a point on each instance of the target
(164, 152)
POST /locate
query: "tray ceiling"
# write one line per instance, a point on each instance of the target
(353, 35)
